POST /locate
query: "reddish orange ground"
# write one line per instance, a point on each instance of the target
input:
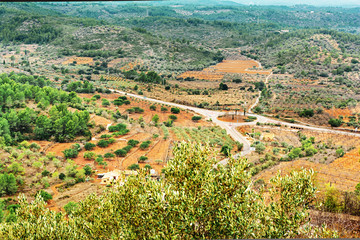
(184, 117)
(344, 172)
(336, 112)
(218, 71)
(79, 60)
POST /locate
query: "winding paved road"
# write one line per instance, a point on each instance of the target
(231, 127)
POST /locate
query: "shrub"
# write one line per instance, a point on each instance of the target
(45, 173)
(134, 167)
(175, 110)
(105, 102)
(153, 107)
(109, 155)
(143, 158)
(163, 109)
(335, 122)
(239, 145)
(306, 113)
(260, 148)
(121, 152)
(144, 145)
(133, 142)
(155, 118)
(196, 118)
(70, 207)
(118, 127)
(168, 123)
(70, 153)
(104, 143)
(62, 176)
(89, 146)
(105, 136)
(87, 170)
(173, 117)
(223, 86)
(127, 148)
(118, 102)
(89, 155)
(340, 152)
(225, 149)
(34, 146)
(45, 195)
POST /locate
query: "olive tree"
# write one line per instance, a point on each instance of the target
(196, 199)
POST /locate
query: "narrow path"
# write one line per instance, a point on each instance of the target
(52, 203)
(259, 96)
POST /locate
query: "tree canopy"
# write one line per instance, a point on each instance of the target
(197, 199)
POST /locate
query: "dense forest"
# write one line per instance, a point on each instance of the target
(18, 122)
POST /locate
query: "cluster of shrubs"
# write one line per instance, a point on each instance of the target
(119, 129)
(135, 110)
(124, 151)
(73, 151)
(121, 100)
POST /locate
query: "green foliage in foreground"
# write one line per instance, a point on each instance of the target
(195, 200)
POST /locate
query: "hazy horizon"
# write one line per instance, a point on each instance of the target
(342, 3)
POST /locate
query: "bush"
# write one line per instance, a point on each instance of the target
(175, 110)
(143, 158)
(87, 170)
(340, 152)
(164, 109)
(70, 153)
(225, 149)
(45, 173)
(153, 107)
(144, 145)
(34, 146)
(223, 86)
(118, 127)
(260, 148)
(173, 117)
(306, 113)
(70, 207)
(105, 143)
(62, 176)
(45, 195)
(134, 167)
(335, 122)
(121, 152)
(127, 148)
(89, 155)
(118, 102)
(89, 146)
(109, 155)
(196, 118)
(135, 110)
(105, 102)
(133, 142)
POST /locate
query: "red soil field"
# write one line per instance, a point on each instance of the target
(344, 172)
(218, 71)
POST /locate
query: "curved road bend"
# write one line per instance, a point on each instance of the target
(231, 127)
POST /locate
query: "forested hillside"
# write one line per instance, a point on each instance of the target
(178, 120)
